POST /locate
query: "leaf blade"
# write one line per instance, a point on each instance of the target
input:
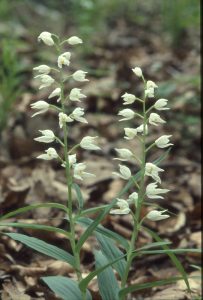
(43, 247)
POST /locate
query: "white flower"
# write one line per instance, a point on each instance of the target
(44, 69)
(137, 71)
(74, 40)
(151, 84)
(155, 119)
(46, 38)
(56, 92)
(72, 159)
(79, 76)
(125, 172)
(133, 198)
(150, 88)
(140, 129)
(123, 208)
(88, 143)
(40, 105)
(160, 104)
(127, 114)
(130, 133)
(77, 115)
(125, 154)
(47, 136)
(79, 171)
(46, 80)
(63, 118)
(128, 98)
(153, 171)
(153, 192)
(155, 215)
(50, 154)
(163, 141)
(64, 59)
(75, 95)
(149, 92)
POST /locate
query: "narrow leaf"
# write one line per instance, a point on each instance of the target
(142, 286)
(172, 256)
(30, 207)
(36, 226)
(65, 288)
(84, 282)
(108, 285)
(106, 232)
(79, 196)
(111, 252)
(171, 251)
(93, 226)
(43, 247)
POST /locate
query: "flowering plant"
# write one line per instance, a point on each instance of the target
(112, 256)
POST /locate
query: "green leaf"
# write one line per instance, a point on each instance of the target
(108, 285)
(92, 210)
(85, 281)
(43, 247)
(106, 232)
(93, 225)
(171, 251)
(153, 245)
(65, 288)
(172, 256)
(30, 207)
(111, 252)
(142, 286)
(79, 196)
(36, 226)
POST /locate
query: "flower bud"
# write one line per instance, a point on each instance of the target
(133, 198)
(153, 192)
(79, 76)
(127, 114)
(153, 171)
(125, 172)
(50, 154)
(63, 118)
(74, 40)
(155, 119)
(56, 92)
(46, 38)
(77, 115)
(64, 59)
(44, 69)
(160, 104)
(40, 105)
(88, 143)
(137, 71)
(46, 80)
(130, 133)
(125, 154)
(75, 95)
(163, 141)
(47, 136)
(128, 98)
(155, 215)
(79, 172)
(123, 208)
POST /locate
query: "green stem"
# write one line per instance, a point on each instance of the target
(69, 181)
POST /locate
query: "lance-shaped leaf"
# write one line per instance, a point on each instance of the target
(43, 247)
(108, 285)
(65, 288)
